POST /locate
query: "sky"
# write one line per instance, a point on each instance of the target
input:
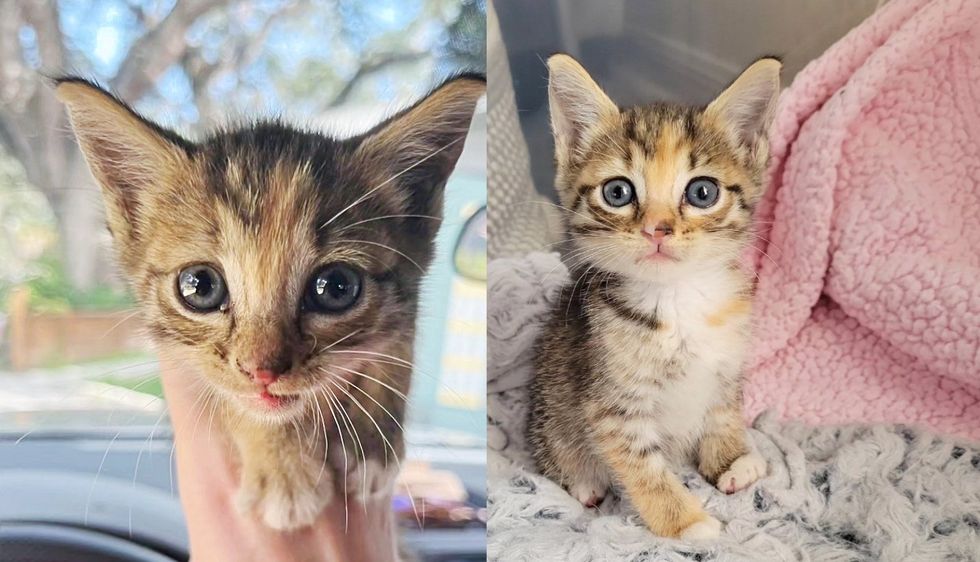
(103, 31)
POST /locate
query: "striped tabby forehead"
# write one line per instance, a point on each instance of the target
(275, 192)
(659, 149)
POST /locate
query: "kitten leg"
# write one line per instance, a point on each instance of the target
(589, 489)
(725, 459)
(383, 442)
(570, 461)
(665, 505)
(371, 479)
(585, 478)
(284, 479)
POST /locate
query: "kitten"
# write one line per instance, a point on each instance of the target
(283, 265)
(640, 364)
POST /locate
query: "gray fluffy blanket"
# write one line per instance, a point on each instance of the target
(832, 493)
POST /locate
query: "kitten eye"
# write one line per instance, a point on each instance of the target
(617, 192)
(201, 288)
(702, 192)
(334, 288)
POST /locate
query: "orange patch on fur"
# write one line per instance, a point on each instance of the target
(735, 307)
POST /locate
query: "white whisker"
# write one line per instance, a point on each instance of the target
(387, 181)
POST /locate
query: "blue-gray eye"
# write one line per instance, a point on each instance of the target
(201, 288)
(333, 289)
(618, 192)
(702, 192)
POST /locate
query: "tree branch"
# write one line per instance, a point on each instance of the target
(158, 49)
(15, 77)
(238, 54)
(43, 17)
(34, 123)
(13, 140)
(370, 66)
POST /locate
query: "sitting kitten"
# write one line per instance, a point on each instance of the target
(640, 365)
(283, 265)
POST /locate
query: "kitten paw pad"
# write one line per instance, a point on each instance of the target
(588, 494)
(705, 529)
(743, 473)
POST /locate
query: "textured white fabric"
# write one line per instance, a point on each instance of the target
(519, 219)
(833, 493)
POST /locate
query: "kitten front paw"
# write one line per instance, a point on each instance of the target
(742, 473)
(285, 504)
(588, 493)
(371, 479)
(705, 529)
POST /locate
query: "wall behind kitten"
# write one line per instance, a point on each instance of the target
(672, 50)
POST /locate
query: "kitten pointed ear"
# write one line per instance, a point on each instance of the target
(749, 104)
(421, 144)
(126, 153)
(577, 104)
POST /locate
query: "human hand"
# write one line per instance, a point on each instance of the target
(208, 480)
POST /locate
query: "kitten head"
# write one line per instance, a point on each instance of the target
(275, 261)
(661, 190)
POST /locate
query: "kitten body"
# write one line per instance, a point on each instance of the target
(640, 364)
(282, 267)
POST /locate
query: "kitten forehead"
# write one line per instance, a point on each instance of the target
(279, 186)
(653, 146)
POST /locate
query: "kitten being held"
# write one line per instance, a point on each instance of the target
(283, 267)
(640, 365)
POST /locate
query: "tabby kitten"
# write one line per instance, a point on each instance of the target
(283, 266)
(640, 364)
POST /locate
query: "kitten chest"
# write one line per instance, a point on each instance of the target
(676, 372)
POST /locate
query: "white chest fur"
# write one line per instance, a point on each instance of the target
(677, 372)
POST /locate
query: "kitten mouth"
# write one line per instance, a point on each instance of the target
(659, 254)
(275, 401)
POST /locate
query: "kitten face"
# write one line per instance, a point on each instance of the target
(270, 224)
(659, 191)
(270, 259)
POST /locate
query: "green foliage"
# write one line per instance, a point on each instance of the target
(147, 385)
(52, 292)
(466, 47)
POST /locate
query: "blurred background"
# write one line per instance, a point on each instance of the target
(79, 391)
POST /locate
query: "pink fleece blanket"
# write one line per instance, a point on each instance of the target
(868, 303)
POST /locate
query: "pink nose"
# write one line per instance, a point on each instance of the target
(658, 234)
(264, 377)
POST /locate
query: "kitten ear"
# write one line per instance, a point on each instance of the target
(421, 144)
(748, 105)
(126, 153)
(577, 104)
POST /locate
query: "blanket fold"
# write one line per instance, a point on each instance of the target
(868, 300)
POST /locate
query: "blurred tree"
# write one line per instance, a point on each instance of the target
(187, 62)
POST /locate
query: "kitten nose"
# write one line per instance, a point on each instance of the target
(658, 233)
(268, 371)
(264, 376)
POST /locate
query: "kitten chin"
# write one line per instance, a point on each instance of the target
(282, 266)
(639, 366)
